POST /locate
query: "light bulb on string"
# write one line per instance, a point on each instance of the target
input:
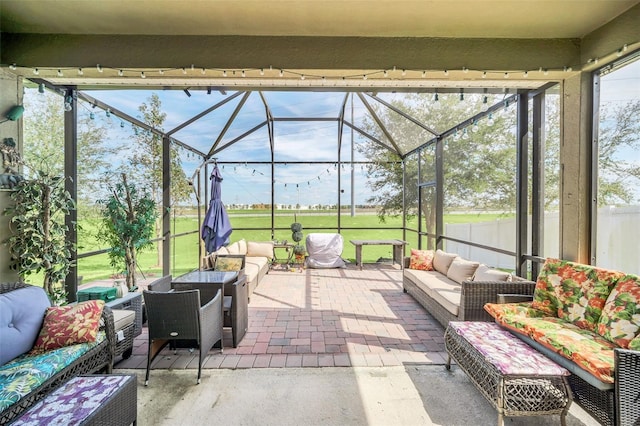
(485, 103)
(68, 103)
(92, 116)
(80, 71)
(490, 120)
(465, 135)
(60, 73)
(475, 127)
(41, 88)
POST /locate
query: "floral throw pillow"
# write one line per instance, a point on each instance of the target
(573, 291)
(69, 325)
(421, 260)
(620, 319)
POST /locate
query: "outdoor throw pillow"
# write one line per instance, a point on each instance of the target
(260, 249)
(421, 260)
(573, 291)
(484, 273)
(620, 319)
(461, 270)
(231, 262)
(69, 325)
(442, 261)
(234, 248)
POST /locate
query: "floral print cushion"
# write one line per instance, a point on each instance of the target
(620, 319)
(421, 260)
(27, 372)
(635, 343)
(510, 355)
(587, 349)
(573, 291)
(73, 402)
(499, 311)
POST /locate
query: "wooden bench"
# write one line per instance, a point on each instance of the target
(398, 246)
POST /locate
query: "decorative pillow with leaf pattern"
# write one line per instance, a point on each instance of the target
(69, 325)
(421, 260)
(573, 291)
(620, 319)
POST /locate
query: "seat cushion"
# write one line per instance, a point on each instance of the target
(27, 372)
(21, 315)
(588, 350)
(122, 318)
(437, 286)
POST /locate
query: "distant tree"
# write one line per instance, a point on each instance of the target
(479, 166)
(618, 177)
(44, 144)
(147, 166)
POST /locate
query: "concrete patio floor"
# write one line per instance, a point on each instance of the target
(324, 347)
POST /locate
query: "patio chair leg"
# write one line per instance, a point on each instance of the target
(448, 364)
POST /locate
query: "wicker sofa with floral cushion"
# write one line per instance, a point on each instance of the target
(258, 255)
(42, 347)
(587, 319)
(454, 289)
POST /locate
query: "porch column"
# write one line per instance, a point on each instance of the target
(166, 205)
(71, 185)
(575, 167)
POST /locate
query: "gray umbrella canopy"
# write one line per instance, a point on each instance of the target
(216, 227)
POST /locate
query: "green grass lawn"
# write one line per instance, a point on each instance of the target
(184, 252)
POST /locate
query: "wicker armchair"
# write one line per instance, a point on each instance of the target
(177, 315)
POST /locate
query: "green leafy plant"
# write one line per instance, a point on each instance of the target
(38, 243)
(296, 235)
(129, 217)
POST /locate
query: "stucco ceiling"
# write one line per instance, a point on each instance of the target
(380, 18)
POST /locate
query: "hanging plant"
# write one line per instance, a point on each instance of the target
(38, 243)
(129, 217)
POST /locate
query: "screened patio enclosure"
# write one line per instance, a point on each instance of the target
(323, 151)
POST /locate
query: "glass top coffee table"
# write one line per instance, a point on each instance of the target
(208, 282)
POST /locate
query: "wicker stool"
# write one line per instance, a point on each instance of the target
(515, 378)
(88, 400)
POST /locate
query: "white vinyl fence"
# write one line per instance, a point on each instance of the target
(618, 241)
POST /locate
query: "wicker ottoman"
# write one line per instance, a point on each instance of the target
(515, 378)
(105, 400)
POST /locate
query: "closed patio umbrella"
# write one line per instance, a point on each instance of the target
(216, 227)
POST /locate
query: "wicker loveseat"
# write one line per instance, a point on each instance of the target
(26, 378)
(454, 289)
(587, 320)
(258, 256)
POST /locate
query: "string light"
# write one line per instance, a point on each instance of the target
(490, 120)
(41, 88)
(385, 72)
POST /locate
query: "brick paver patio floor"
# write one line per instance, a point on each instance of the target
(321, 318)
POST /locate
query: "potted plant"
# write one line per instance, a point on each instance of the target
(38, 242)
(296, 235)
(129, 217)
